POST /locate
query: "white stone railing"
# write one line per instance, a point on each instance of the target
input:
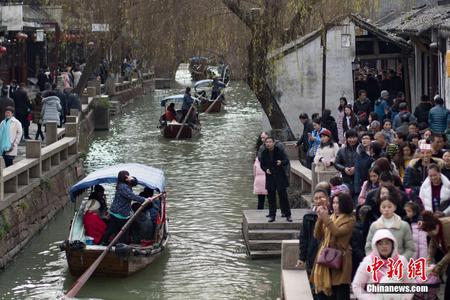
(61, 150)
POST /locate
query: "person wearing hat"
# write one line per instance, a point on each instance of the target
(326, 153)
(10, 136)
(94, 226)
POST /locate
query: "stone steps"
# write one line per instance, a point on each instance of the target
(263, 239)
(263, 245)
(273, 234)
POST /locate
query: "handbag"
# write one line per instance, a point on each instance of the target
(330, 258)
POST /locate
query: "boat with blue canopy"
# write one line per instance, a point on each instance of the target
(122, 259)
(171, 120)
(211, 95)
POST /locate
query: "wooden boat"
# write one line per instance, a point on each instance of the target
(203, 89)
(198, 67)
(122, 260)
(170, 129)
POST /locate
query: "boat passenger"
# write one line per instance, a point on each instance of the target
(120, 210)
(99, 194)
(155, 206)
(170, 114)
(142, 228)
(94, 226)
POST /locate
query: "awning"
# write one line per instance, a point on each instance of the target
(146, 176)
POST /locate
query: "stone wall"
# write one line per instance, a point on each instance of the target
(20, 221)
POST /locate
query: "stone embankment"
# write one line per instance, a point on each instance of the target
(35, 188)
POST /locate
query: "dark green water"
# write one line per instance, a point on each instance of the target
(209, 183)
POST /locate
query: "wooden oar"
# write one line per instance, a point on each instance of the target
(184, 121)
(212, 104)
(84, 278)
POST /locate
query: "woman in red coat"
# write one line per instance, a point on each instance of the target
(94, 226)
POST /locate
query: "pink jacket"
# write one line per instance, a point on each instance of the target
(365, 189)
(363, 277)
(420, 239)
(259, 183)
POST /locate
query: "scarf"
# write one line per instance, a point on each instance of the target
(322, 275)
(5, 140)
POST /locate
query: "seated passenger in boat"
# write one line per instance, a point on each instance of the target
(142, 228)
(99, 194)
(170, 114)
(94, 226)
(155, 206)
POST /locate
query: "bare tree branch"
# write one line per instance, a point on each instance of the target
(235, 7)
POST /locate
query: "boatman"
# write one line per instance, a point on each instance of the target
(215, 91)
(188, 101)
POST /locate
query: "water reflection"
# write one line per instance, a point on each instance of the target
(209, 183)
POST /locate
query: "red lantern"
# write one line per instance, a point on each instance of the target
(2, 50)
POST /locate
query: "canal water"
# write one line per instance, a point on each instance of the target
(209, 183)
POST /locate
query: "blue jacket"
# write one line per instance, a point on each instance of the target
(438, 118)
(379, 108)
(122, 200)
(187, 102)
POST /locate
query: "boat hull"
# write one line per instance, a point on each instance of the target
(216, 107)
(170, 131)
(111, 266)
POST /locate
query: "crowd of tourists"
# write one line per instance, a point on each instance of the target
(17, 111)
(390, 198)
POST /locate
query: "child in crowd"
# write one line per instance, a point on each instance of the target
(383, 247)
(338, 186)
(419, 236)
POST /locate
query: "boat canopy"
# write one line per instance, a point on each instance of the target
(146, 176)
(175, 98)
(207, 83)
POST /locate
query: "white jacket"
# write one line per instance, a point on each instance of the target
(326, 153)
(15, 135)
(425, 194)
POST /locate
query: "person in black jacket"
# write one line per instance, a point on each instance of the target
(273, 160)
(362, 108)
(346, 159)
(308, 245)
(328, 122)
(23, 108)
(422, 110)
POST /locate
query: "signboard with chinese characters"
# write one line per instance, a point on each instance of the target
(100, 27)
